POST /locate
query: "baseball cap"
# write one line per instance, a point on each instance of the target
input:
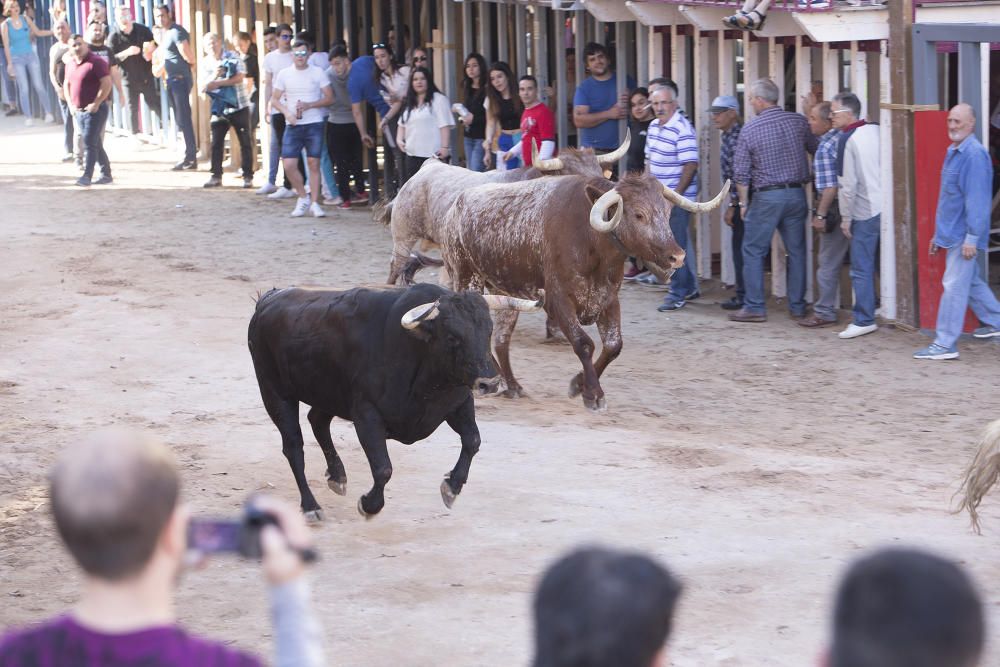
(724, 103)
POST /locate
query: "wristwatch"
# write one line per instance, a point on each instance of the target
(820, 217)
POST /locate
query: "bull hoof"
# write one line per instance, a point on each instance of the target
(362, 512)
(513, 392)
(338, 487)
(314, 516)
(596, 405)
(447, 495)
(575, 387)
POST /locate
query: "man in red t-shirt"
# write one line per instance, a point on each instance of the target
(538, 125)
(86, 87)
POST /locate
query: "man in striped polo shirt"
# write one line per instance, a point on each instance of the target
(672, 156)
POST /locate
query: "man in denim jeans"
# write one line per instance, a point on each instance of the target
(771, 157)
(86, 88)
(859, 194)
(962, 228)
(178, 57)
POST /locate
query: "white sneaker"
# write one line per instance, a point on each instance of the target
(28, 122)
(317, 210)
(333, 201)
(49, 118)
(853, 330)
(266, 189)
(282, 193)
(301, 207)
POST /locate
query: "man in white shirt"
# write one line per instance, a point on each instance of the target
(302, 93)
(274, 62)
(859, 194)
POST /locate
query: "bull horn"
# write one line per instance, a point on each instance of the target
(692, 206)
(550, 164)
(422, 313)
(618, 153)
(501, 302)
(601, 206)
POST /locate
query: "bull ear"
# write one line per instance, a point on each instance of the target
(594, 193)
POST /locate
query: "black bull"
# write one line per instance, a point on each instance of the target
(395, 362)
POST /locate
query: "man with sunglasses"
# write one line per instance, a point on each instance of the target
(302, 93)
(274, 62)
(178, 59)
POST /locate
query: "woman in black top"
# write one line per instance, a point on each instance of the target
(503, 116)
(638, 122)
(473, 85)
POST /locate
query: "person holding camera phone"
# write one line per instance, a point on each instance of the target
(115, 500)
(833, 244)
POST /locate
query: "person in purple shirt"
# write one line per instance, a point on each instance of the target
(115, 499)
(962, 230)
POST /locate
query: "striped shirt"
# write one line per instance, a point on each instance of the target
(670, 146)
(772, 149)
(825, 162)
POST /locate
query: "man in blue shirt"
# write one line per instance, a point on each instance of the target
(962, 229)
(362, 88)
(597, 107)
(178, 57)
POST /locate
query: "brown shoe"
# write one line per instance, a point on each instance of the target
(744, 315)
(814, 321)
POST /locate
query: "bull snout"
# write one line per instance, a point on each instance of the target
(488, 385)
(675, 256)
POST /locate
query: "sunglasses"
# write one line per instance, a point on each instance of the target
(285, 37)
(839, 110)
(418, 59)
(300, 54)
(379, 45)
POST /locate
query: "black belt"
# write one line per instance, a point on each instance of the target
(783, 186)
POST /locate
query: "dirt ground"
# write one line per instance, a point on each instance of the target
(755, 460)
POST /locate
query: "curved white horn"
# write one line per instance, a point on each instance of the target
(601, 206)
(422, 313)
(695, 207)
(618, 153)
(551, 164)
(501, 302)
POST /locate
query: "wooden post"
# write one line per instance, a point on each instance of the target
(779, 263)
(263, 127)
(725, 61)
(803, 84)
(904, 209)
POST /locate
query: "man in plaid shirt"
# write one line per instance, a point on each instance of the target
(771, 154)
(725, 112)
(833, 244)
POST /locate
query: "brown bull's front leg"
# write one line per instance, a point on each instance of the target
(609, 324)
(585, 383)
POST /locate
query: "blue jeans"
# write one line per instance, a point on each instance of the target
(864, 245)
(179, 89)
(326, 168)
(274, 156)
(308, 137)
(784, 210)
(29, 75)
(8, 92)
(682, 282)
(92, 129)
(474, 154)
(963, 287)
(68, 122)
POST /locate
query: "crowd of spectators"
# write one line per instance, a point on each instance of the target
(117, 504)
(313, 102)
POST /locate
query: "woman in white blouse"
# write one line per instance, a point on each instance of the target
(393, 82)
(424, 124)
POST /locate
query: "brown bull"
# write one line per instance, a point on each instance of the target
(553, 234)
(419, 209)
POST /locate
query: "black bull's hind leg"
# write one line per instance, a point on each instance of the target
(463, 422)
(609, 326)
(371, 434)
(336, 476)
(285, 415)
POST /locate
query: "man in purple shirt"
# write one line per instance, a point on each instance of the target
(771, 157)
(115, 501)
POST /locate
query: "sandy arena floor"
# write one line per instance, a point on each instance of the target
(755, 460)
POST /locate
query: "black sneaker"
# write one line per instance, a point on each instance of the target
(83, 182)
(185, 164)
(104, 180)
(734, 303)
(248, 183)
(213, 182)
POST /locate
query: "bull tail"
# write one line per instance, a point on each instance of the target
(382, 211)
(261, 298)
(982, 473)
